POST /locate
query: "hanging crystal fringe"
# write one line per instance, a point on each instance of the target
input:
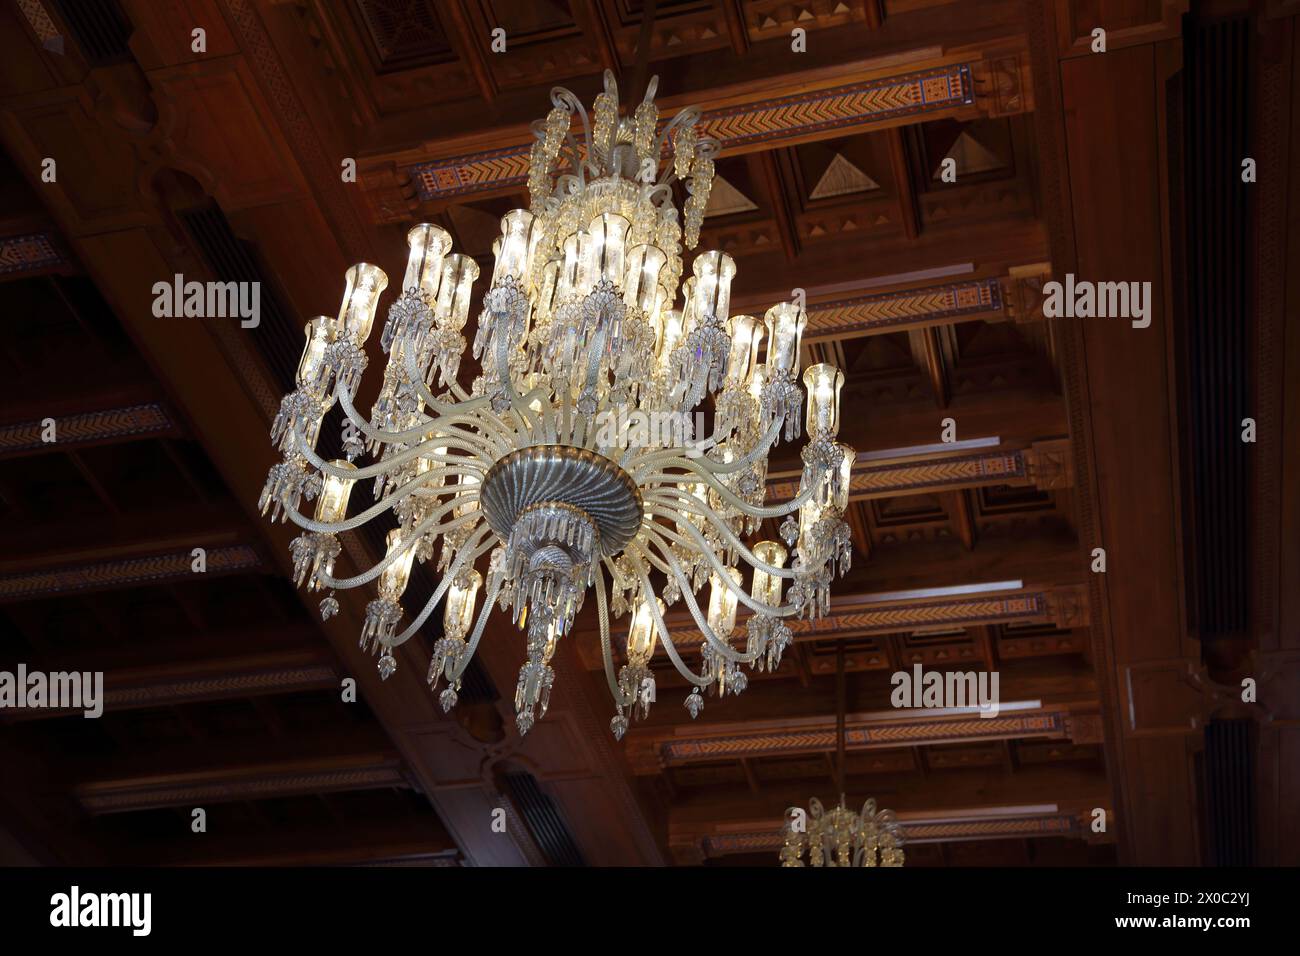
(700, 363)
(782, 401)
(313, 559)
(533, 693)
(382, 615)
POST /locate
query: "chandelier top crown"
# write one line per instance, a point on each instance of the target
(627, 156)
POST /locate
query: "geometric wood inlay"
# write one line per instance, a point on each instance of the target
(853, 105)
(136, 420)
(117, 573)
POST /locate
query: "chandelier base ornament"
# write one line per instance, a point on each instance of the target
(506, 480)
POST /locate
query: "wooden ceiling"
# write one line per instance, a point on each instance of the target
(223, 691)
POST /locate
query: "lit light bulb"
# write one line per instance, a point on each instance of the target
(767, 587)
(365, 283)
(785, 323)
(428, 244)
(458, 615)
(332, 502)
(722, 604)
(393, 579)
(823, 383)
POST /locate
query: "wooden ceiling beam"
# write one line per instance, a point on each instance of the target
(828, 102)
(271, 671)
(56, 547)
(125, 414)
(351, 761)
(650, 749)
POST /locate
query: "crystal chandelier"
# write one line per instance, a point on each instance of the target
(545, 467)
(841, 837)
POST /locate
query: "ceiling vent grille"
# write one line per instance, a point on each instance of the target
(549, 831)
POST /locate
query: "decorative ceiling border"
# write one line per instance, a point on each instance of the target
(125, 572)
(865, 735)
(785, 118)
(32, 253)
(865, 314)
(920, 831)
(137, 421)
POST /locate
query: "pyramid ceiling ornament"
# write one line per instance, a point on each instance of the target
(971, 155)
(841, 178)
(725, 199)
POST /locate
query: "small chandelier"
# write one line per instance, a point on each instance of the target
(841, 837)
(542, 472)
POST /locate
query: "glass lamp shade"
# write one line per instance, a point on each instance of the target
(428, 244)
(332, 502)
(423, 465)
(458, 614)
(458, 276)
(690, 315)
(840, 501)
(671, 328)
(466, 481)
(547, 298)
(767, 587)
(726, 454)
(746, 336)
(756, 382)
(713, 274)
(393, 579)
(785, 323)
(641, 287)
(515, 242)
(571, 271)
(700, 490)
(319, 332)
(722, 603)
(365, 283)
(823, 383)
(810, 512)
(311, 431)
(605, 251)
(641, 633)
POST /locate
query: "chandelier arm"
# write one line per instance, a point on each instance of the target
(494, 587)
(396, 553)
(386, 465)
(784, 610)
(759, 450)
(662, 630)
(720, 646)
(465, 402)
(415, 433)
(602, 614)
(660, 507)
(445, 584)
(726, 494)
(351, 524)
